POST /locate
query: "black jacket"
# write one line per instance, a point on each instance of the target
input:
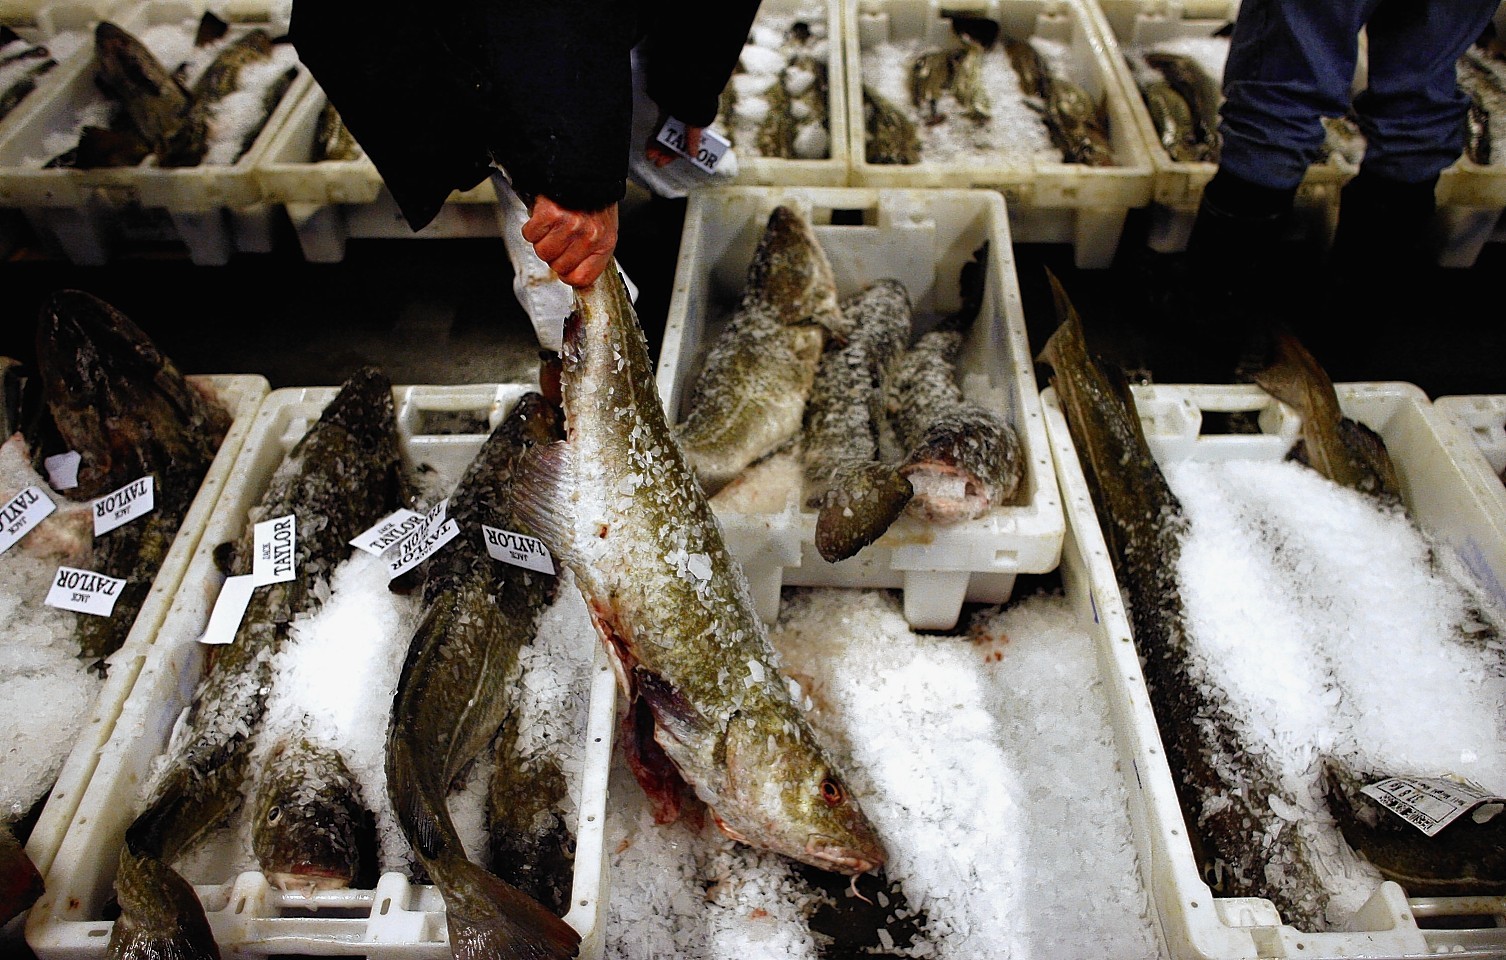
(435, 91)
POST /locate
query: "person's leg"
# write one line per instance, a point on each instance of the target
(1412, 114)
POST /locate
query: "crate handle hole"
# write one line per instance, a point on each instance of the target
(386, 905)
(1002, 557)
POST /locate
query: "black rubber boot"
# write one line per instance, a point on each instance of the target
(1383, 226)
(1235, 277)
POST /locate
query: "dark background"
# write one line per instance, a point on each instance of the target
(435, 311)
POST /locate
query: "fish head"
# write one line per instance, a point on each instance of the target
(783, 794)
(310, 830)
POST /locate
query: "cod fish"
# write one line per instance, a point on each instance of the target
(339, 479)
(1224, 791)
(961, 458)
(705, 706)
(453, 695)
(889, 135)
(127, 411)
(189, 143)
(1343, 450)
(1077, 127)
(749, 397)
(1173, 119)
(857, 494)
(333, 140)
(154, 100)
(1190, 80)
(22, 64)
(310, 829)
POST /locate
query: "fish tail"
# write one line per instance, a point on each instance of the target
(160, 914)
(490, 919)
(1294, 376)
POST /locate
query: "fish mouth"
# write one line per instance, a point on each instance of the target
(827, 854)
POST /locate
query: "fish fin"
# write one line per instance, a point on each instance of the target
(1293, 375)
(490, 919)
(211, 29)
(537, 503)
(667, 791)
(161, 916)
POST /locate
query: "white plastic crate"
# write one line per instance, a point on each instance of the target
(241, 395)
(1178, 188)
(1197, 924)
(249, 917)
(832, 171)
(1475, 432)
(1048, 201)
(214, 210)
(70, 21)
(921, 238)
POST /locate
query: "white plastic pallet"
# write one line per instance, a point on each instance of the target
(1048, 202)
(214, 210)
(921, 238)
(396, 919)
(1196, 923)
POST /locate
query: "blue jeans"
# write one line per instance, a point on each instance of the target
(1291, 62)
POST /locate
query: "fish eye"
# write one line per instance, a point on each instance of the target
(274, 814)
(831, 792)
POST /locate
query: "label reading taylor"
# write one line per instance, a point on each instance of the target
(517, 549)
(84, 591)
(22, 513)
(135, 499)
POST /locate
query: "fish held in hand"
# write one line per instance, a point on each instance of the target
(705, 706)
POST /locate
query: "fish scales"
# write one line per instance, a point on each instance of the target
(962, 458)
(1224, 790)
(705, 707)
(339, 479)
(190, 141)
(455, 692)
(858, 495)
(311, 829)
(890, 135)
(1188, 78)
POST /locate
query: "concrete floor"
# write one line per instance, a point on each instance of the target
(442, 311)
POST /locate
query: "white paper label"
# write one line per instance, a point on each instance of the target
(713, 146)
(1428, 803)
(414, 550)
(135, 499)
(84, 591)
(62, 469)
(391, 531)
(274, 542)
(518, 550)
(21, 513)
(229, 609)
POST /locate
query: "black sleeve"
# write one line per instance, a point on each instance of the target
(560, 103)
(692, 49)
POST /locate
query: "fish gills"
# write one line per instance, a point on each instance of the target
(705, 706)
(344, 475)
(479, 614)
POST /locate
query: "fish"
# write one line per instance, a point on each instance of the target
(333, 140)
(1476, 127)
(20, 883)
(35, 62)
(856, 494)
(962, 459)
(339, 479)
(1029, 66)
(100, 147)
(966, 81)
(1189, 79)
(748, 399)
(531, 845)
(889, 135)
(930, 78)
(1343, 450)
(477, 614)
(1077, 127)
(1467, 858)
(310, 828)
(705, 708)
(1173, 119)
(189, 143)
(124, 407)
(1342, 138)
(1224, 791)
(155, 101)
